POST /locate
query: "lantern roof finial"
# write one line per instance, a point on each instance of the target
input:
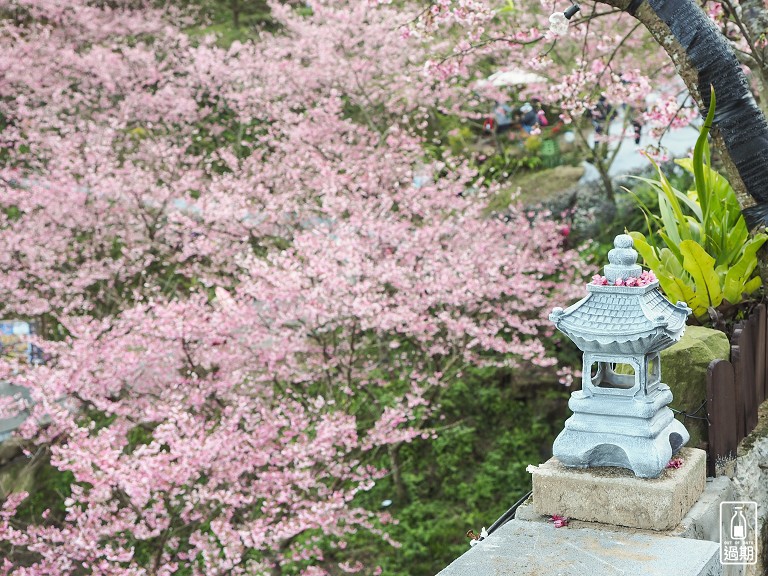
(623, 260)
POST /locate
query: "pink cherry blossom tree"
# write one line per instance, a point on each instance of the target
(728, 30)
(601, 57)
(249, 299)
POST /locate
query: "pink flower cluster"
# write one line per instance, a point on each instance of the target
(675, 463)
(559, 521)
(646, 278)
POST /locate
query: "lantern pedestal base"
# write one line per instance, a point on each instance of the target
(638, 434)
(615, 496)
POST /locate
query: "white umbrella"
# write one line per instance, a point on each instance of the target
(513, 77)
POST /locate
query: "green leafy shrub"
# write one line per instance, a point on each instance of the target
(532, 144)
(698, 244)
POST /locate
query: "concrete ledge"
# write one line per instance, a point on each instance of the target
(703, 520)
(615, 496)
(522, 548)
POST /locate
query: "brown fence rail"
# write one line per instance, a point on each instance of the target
(735, 389)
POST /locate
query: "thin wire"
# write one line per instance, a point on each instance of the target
(504, 518)
(692, 415)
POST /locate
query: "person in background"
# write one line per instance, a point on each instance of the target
(601, 115)
(529, 117)
(502, 114)
(637, 122)
(540, 112)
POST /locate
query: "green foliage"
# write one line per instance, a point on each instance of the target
(232, 20)
(508, 162)
(497, 157)
(698, 244)
(469, 475)
(500, 201)
(50, 488)
(532, 144)
(644, 198)
(458, 139)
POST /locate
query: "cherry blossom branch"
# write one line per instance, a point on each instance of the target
(672, 119)
(753, 50)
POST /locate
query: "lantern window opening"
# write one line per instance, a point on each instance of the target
(600, 375)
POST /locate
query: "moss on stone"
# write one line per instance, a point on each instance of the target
(684, 370)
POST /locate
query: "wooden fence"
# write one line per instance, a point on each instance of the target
(735, 389)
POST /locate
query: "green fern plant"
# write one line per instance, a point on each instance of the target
(698, 244)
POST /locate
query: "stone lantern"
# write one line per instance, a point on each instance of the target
(620, 415)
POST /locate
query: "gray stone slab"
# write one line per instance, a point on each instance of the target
(521, 548)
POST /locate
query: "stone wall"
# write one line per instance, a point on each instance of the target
(684, 369)
(750, 480)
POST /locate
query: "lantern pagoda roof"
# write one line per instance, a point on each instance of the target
(622, 319)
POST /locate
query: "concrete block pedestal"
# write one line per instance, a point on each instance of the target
(615, 496)
(531, 545)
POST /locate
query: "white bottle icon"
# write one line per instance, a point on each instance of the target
(738, 524)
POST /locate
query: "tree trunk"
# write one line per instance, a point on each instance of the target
(235, 6)
(401, 493)
(754, 17)
(603, 167)
(751, 17)
(703, 57)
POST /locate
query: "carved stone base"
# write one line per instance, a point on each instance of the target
(641, 435)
